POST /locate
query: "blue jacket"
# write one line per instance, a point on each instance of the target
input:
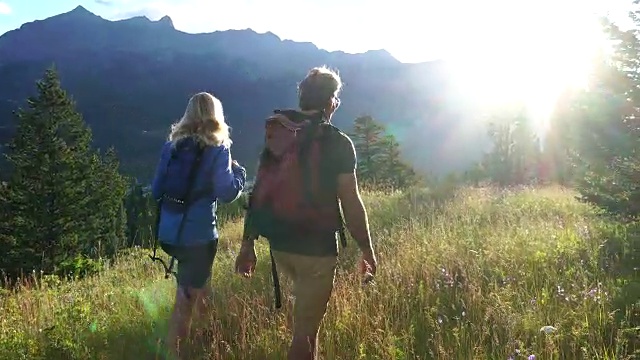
(216, 177)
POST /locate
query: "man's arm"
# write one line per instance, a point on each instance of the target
(349, 194)
(354, 211)
(249, 234)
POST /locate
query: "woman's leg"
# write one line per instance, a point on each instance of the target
(204, 302)
(194, 273)
(178, 327)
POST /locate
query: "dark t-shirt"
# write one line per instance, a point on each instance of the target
(340, 159)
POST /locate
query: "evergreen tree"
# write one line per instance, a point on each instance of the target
(526, 148)
(368, 140)
(379, 155)
(475, 175)
(498, 161)
(607, 151)
(108, 190)
(393, 169)
(560, 141)
(52, 212)
(516, 149)
(141, 212)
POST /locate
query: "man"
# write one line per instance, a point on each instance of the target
(309, 254)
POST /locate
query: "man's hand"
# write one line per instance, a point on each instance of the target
(368, 265)
(357, 223)
(246, 261)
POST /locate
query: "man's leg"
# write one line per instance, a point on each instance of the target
(313, 284)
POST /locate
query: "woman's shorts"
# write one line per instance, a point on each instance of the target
(194, 262)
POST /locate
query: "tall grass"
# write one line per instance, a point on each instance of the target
(475, 275)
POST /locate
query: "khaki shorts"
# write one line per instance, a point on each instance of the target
(312, 278)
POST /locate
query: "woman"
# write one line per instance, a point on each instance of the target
(190, 233)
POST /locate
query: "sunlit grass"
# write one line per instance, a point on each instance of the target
(470, 275)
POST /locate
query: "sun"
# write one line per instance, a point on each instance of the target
(510, 53)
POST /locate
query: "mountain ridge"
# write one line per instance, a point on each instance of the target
(80, 12)
(131, 79)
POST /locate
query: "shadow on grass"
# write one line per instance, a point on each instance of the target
(134, 341)
(142, 341)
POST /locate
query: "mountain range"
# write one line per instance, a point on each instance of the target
(131, 80)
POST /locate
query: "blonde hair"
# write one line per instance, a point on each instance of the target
(204, 120)
(318, 88)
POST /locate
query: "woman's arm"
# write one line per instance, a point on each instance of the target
(157, 179)
(228, 179)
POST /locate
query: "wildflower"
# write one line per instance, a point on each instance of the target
(531, 357)
(547, 330)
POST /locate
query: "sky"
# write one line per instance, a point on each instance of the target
(411, 30)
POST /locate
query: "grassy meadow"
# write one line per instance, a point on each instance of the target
(475, 274)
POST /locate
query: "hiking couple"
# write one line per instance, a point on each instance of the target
(306, 170)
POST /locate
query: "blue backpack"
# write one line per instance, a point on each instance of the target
(179, 175)
(176, 185)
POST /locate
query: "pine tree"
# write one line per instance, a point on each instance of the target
(607, 124)
(393, 169)
(108, 192)
(526, 148)
(51, 209)
(560, 141)
(379, 156)
(498, 161)
(140, 212)
(516, 148)
(368, 140)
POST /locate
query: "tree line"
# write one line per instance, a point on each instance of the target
(65, 206)
(593, 140)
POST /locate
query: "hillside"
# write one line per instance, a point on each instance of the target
(477, 275)
(131, 79)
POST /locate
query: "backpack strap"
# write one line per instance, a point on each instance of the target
(190, 181)
(329, 130)
(318, 123)
(274, 269)
(276, 281)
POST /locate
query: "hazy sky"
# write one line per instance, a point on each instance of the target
(411, 30)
